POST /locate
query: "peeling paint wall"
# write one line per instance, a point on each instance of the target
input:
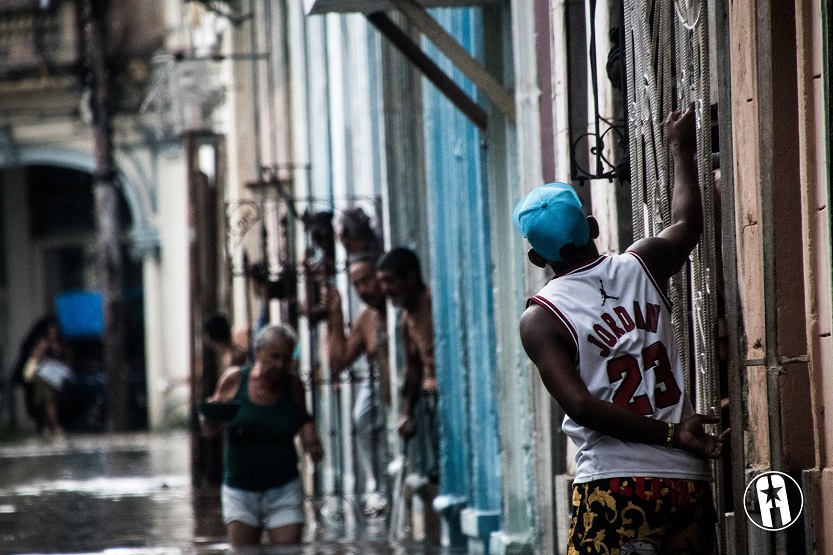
(783, 232)
(814, 171)
(748, 221)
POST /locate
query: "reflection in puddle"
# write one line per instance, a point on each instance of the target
(103, 487)
(117, 495)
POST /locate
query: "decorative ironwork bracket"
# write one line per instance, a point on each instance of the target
(604, 168)
(230, 9)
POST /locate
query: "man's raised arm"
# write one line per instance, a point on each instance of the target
(666, 253)
(342, 351)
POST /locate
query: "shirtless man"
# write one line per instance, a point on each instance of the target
(368, 336)
(400, 277)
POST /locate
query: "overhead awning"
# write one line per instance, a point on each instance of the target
(8, 149)
(414, 11)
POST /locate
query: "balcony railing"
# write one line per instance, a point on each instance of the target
(38, 41)
(599, 143)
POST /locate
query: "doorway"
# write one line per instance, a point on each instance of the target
(49, 242)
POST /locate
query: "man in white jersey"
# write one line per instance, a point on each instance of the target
(600, 333)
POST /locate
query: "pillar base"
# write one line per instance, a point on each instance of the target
(478, 526)
(563, 509)
(449, 508)
(501, 543)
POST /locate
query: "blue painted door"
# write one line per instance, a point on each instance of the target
(461, 280)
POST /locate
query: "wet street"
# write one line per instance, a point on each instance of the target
(132, 494)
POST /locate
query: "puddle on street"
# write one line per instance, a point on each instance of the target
(132, 495)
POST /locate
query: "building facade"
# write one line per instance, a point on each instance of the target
(235, 118)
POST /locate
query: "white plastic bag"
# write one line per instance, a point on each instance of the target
(54, 372)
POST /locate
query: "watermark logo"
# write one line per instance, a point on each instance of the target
(773, 501)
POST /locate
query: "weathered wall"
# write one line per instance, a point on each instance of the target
(778, 218)
(814, 174)
(748, 220)
(786, 217)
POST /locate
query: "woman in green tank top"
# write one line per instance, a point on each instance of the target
(261, 484)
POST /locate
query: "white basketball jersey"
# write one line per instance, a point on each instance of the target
(620, 322)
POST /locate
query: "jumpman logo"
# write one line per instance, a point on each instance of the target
(605, 296)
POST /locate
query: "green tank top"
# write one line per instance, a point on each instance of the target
(259, 451)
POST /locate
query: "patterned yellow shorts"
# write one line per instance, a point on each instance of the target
(643, 516)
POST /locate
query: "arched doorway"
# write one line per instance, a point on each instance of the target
(49, 257)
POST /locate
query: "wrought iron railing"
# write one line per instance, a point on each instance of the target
(605, 131)
(38, 41)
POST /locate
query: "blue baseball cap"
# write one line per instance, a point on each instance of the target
(551, 217)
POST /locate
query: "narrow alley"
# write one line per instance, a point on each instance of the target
(233, 230)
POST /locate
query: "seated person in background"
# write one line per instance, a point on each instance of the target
(42, 367)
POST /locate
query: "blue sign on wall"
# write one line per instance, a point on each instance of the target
(80, 313)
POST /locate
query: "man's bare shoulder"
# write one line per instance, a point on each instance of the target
(422, 309)
(655, 253)
(537, 324)
(367, 321)
(365, 315)
(546, 341)
(535, 318)
(426, 299)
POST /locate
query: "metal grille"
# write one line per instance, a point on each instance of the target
(667, 45)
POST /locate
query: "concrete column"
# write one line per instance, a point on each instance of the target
(319, 185)
(448, 151)
(765, 118)
(815, 199)
(24, 288)
(154, 342)
(173, 302)
(515, 167)
(243, 161)
(483, 516)
(405, 176)
(405, 154)
(461, 279)
(602, 192)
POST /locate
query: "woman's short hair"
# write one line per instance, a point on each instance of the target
(272, 333)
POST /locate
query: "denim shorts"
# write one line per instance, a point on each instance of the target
(269, 509)
(424, 446)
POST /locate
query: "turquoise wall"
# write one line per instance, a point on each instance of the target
(461, 280)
